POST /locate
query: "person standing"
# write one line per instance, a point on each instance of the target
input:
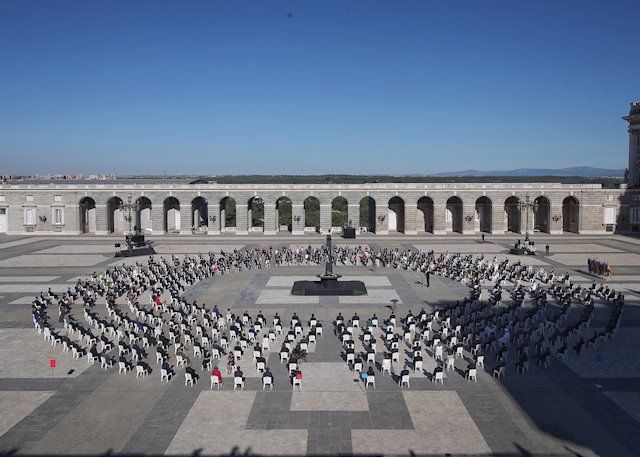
(546, 249)
(427, 276)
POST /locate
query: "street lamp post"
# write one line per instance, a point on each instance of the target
(526, 206)
(128, 207)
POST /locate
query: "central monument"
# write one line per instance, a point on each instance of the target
(329, 284)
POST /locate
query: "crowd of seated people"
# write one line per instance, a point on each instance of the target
(533, 329)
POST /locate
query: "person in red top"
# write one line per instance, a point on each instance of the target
(157, 301)
(216, 372)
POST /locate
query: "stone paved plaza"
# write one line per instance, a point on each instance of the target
(583, 406)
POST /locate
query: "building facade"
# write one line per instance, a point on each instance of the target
(201, 208)
(185, 209)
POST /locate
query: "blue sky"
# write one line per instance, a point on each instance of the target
(390, 87)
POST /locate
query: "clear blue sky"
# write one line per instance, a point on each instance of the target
(392, 87)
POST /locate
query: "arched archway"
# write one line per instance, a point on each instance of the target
(425, 220)
(283, 214)
(570, 215)
(87, 215)
(541, 214)
(312, 213)
(396, 214)
(115, 219)
(339, 212)
(143, 215)
(368, 214)
(171, 210)
(227, 214)
(255, 208)
(454, 215)
(512, 214)
(484, 207)
(199, 214)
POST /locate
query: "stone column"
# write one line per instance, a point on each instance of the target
(214, 226)
(555, 227)
(241, 219)
(185, 219)
(102, 219)
(223, 219)
(353, 214)
(157, 218)
(382, 226)
(325, 217)
(439, 217)
(297, 228)
(269, 218)
(410, 222)
(497, 220)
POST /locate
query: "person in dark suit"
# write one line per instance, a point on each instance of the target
(427, 275)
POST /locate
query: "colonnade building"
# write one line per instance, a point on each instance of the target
(196, 208)
(212, 209)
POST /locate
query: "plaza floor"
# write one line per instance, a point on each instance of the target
(583, 406)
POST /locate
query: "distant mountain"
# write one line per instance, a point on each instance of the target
(572, 171)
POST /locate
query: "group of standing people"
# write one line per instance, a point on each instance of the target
(599, 267)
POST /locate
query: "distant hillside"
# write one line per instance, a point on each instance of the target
(572, 171)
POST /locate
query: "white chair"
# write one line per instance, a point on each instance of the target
(395, 356)
(438, 353)
(140, 371)
(158, 358)
(357, 366)
(180, 361)
(238, 382)
(284, 357)
(439, 377)
(371, 381)
(164, 374)
(122, 368)
(386, 366)
(197, 352)
(215, 381)
(297, 382)
(480, 361)
(104, 363)
(417, 365)
(451, 363)
(188, 379)
(260, 367)
(472, 374)
(267, 381)
(350, 358)
(404, 381)
(459, 350)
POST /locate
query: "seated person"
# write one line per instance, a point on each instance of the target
(193, 373)
(216, 372)
(437, 369)
(267, 374)
(167, 367)
(206, 360)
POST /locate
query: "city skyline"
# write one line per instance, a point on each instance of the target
(310, 88)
